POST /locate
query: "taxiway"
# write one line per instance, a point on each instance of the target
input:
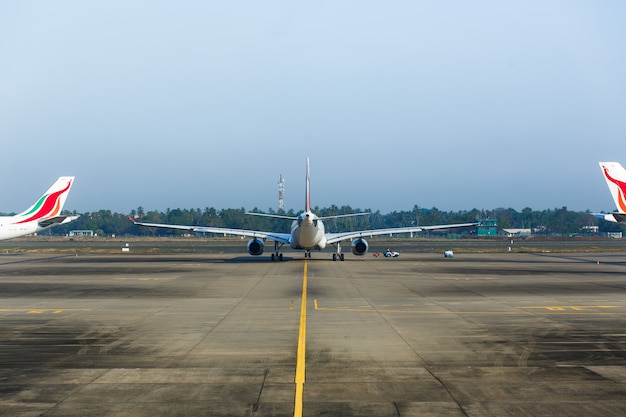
(500, 334)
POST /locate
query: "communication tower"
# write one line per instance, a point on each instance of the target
(281, 193)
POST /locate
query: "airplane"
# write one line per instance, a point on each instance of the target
(615, 176)
(43, 214)
(307, 231)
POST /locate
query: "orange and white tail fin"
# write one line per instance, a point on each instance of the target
(615, 176)
(50, 203)
(307, 202)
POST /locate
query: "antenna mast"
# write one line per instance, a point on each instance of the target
(281, 193)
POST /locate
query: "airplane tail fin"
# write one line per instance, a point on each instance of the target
(307, 202)
(50, 203)
(615, 176)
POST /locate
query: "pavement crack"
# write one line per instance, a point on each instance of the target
(255, 406)
(395, 404)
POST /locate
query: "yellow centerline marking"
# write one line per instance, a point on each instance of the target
(300, 363)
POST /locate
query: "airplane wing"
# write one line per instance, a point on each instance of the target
(337, 237)
(278, 237)
(56, 220)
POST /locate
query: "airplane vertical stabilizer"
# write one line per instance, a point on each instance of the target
(50, 203)
(615, 177)
(307, 203)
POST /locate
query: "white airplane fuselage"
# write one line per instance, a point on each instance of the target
(9, 228)
(307, 232)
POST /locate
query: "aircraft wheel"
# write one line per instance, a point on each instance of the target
(334, 256)
(272, 257)
(280, 257)
(341, 257)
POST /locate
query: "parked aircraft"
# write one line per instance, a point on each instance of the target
(307, 232)
(615, 176)
(43, 214)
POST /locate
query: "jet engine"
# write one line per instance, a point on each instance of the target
(359, 246)
(255, 247)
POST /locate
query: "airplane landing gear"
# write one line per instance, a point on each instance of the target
(276, 254)
(338, 254)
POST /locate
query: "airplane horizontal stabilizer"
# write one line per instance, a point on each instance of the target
(56, 220)
(274, 216)
(614, 217)
(339, 216)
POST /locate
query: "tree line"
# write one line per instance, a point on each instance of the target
(551, 222)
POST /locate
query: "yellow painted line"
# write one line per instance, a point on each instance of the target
(473, 313)
(565, 308)
(41, 310)
(300, 363)
(548, 309)
(136, 279)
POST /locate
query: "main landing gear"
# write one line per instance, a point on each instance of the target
(338, 254)
(276, 255)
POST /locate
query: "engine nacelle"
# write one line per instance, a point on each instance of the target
(359, 246)
(255, 247)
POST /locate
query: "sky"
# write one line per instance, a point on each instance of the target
(192, 104)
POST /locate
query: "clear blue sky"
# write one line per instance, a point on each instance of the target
(193, 104)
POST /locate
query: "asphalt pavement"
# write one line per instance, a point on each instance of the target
(206, 334)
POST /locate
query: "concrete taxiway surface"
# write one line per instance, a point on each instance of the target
(500, 334)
